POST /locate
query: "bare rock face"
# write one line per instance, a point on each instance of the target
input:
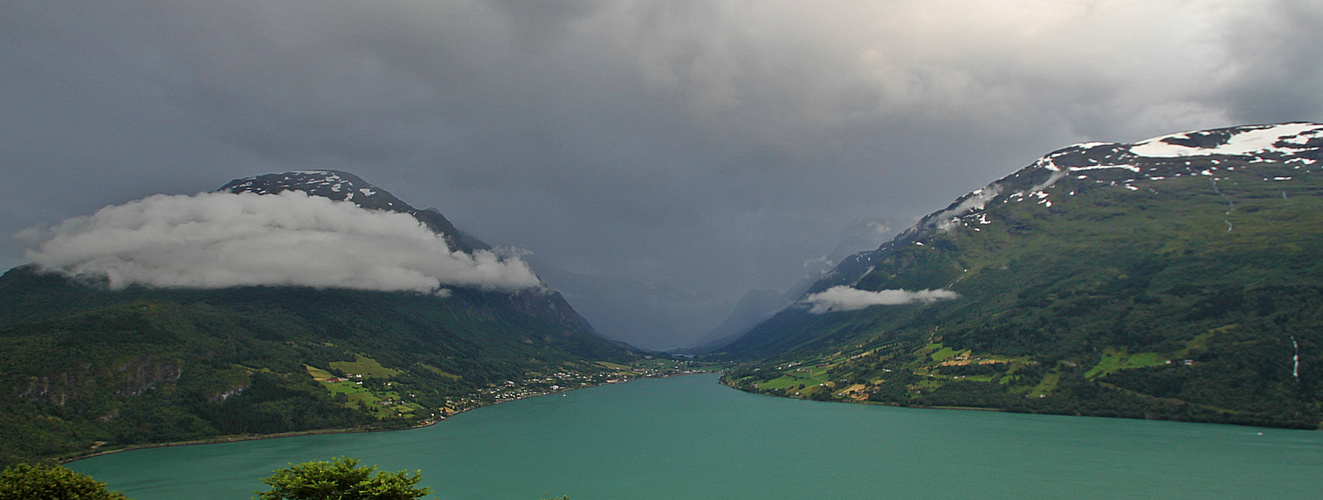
(144, 374)
(130, 378)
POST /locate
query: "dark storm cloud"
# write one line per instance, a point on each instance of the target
(704, 146)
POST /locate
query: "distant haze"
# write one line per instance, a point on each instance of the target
(690, 151)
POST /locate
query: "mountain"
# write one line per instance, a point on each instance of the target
(754, 307)
(1173, 278)
(344, 186)
(90, 367)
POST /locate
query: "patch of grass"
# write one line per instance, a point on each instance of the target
(347, 388)
(1200, 342)
(810, 390)
(614, 366)
(1115, 360)
(366, 397)
(810, 376)
(358, 396)
(945, 353)
(1046, 387)
(440, 372)
(365, 366)
(318, 374)
(782, 382)
(930, 384)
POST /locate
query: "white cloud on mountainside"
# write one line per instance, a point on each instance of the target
(216, 240)
(844, 298)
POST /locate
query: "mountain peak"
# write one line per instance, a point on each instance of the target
(333, 184)
(344, 186)
(1263, 141)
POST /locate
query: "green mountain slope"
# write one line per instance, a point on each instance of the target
(1177, 278)
(84, 368)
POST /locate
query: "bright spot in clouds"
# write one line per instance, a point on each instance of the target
(844, 298)
(216, 240)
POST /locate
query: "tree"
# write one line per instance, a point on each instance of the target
(340, 479)
(25, 481)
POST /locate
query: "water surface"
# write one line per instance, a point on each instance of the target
(691, 438)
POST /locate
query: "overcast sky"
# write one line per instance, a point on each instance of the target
(705, 147)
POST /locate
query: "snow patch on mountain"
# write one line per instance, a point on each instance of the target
(336, 185)
(1131, 168)
(973, 201)
(1242, 141)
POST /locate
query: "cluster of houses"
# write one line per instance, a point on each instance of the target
(556, 382)
(347, 379)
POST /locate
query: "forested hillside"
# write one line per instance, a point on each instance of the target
(131, 344)
(1177, 278)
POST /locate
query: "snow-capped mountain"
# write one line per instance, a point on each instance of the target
(336, 185)
(1175, 278)
(1270, 153)
(344, 186)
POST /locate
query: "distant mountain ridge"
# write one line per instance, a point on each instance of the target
(1175, 278)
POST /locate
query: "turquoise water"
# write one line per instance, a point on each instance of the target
(691, 438)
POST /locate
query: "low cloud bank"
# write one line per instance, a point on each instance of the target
(844, 298)
(217, 240)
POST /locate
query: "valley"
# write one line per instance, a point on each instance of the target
(1098, 281)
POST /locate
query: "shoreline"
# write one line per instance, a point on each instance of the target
(874, 403)
(246, 437)
(352, 430)
(992, 409)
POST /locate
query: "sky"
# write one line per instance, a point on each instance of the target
(662, 159)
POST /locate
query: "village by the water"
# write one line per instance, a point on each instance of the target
(366, 384)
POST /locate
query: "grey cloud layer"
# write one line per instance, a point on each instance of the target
(706, 145)
(216, 240)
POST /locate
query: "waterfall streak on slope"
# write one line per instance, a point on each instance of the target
(1230, 204)
(1295, 368)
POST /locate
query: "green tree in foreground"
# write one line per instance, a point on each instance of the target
(340, 479)
(26, 482)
